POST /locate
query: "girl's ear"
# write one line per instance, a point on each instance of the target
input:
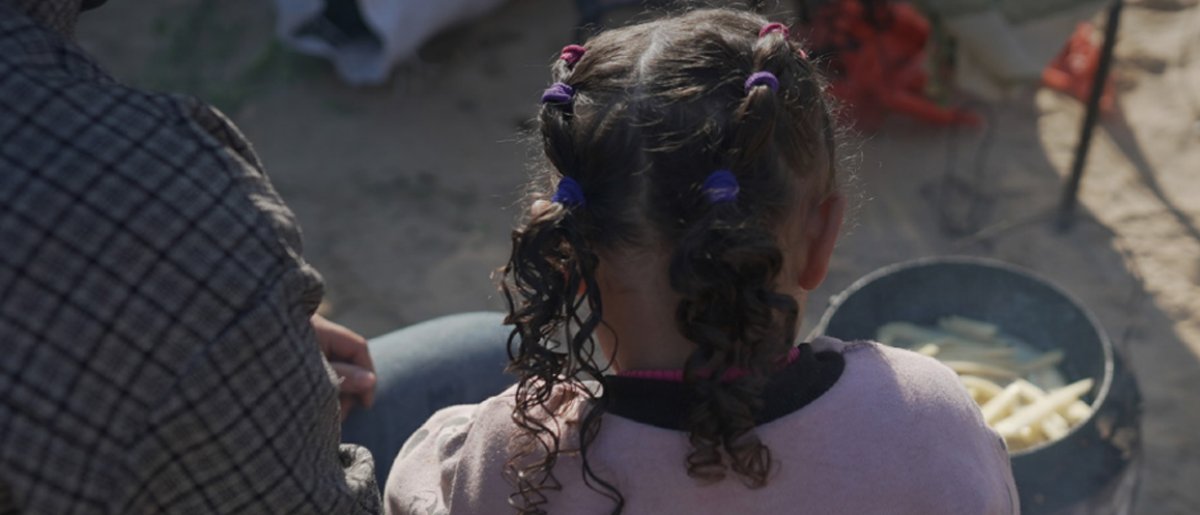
(824, 226)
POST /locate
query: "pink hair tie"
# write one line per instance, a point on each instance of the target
(774, 27)
(572, 54)
(779, 27)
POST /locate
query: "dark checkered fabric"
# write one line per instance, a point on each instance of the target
(155, 349)
(58, 15)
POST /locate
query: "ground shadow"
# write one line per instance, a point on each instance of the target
(1117, 128)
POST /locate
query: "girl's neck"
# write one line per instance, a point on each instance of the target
(639, 315)
(643, 334)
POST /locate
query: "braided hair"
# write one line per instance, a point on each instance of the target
(637, 120)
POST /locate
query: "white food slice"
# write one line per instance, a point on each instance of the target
(980, 369)
(1001, 404)
(1077, 412)
(1036, 412)
(906, 333)
(969, 328)
(1047, 360)
(988, 388)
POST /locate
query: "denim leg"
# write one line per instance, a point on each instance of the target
(457, 359)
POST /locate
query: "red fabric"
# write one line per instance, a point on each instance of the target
(1074, 69)
(876, 61)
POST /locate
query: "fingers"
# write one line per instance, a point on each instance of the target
(357, 382)
(342, 344)
(349, 356)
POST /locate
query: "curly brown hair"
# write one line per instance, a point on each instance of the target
(657, 107)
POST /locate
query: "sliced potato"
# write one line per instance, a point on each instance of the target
(894, 332)
(980, 369)
(1019, 389)
(1049, 359)
(1001, 405)
(969, 328)
(1054, 426)
(988, 388)
(1021, 440)
(1052, 402)
(1077, 412)
(999, 357)
(1047, 378)
(984, 353)
(929, 349)
(958, 340)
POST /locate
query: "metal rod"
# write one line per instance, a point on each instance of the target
(1066, 213)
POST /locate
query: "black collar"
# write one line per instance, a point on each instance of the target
(665, 403)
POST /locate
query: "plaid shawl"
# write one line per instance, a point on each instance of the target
(156, 353)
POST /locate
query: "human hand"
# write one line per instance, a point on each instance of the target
(347, 353)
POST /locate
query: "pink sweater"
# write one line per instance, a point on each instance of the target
(896, 433)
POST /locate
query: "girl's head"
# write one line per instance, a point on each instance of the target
(690, 161)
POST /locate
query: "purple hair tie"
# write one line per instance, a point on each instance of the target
(569, 193)
(558, 93)
(720, 186)
(767, 79)
(572, 54)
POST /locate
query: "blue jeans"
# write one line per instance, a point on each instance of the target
(457, 359)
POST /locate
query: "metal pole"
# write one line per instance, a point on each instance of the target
(1071, 192)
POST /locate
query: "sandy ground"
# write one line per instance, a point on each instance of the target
(406, 191)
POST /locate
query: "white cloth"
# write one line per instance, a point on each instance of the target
(401, 26)
(1008, 44)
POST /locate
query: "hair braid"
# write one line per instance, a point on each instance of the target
(554, 305)
(724, 268)
(550, 262)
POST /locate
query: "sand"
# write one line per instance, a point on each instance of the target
(406, 191)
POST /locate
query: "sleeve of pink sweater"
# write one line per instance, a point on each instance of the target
(423, 475)
(455, 462)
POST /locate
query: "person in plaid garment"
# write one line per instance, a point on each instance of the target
(158, 348)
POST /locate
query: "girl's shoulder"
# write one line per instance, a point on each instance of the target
(881, 381)
(910, 418)
(455, 462)
(903, 367)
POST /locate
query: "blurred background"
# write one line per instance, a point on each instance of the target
(405, 158)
